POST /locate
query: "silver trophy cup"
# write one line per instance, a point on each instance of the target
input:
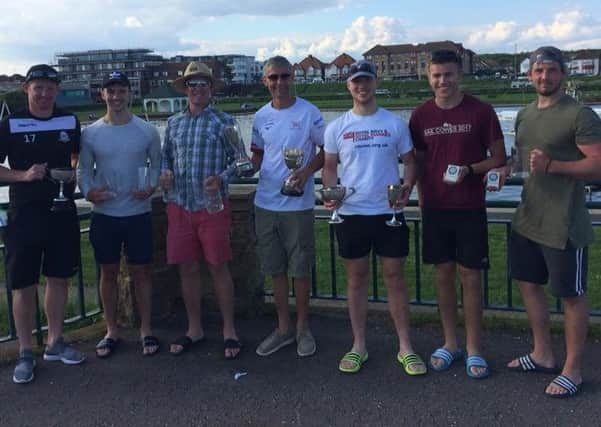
(293, 157)
(337, 193)
(244, 167)
(520, 162)
(62, 175)
(395, 193)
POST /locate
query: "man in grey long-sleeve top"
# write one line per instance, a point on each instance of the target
(118, 147)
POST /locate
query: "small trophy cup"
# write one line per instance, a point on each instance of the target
(337, 193)
(394, 194)
(452, 173)
(62, 175)
(293, 157)
(493, 179)
(244, 167)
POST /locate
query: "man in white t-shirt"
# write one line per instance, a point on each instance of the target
(284, 216)
(368, 141)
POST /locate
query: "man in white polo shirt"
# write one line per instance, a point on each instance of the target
(284, 215)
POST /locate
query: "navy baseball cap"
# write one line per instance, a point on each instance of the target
(115, 77)
(361, 68)
(42, 71)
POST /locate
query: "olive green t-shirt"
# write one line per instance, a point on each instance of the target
(553, 211)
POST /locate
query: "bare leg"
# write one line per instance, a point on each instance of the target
(23, 312)
(472, 310)
(302, 288)
(398, 300)
(140, 274)
(224, 289)
(280, 295)
(538, 317)
(191, 292)
(447, 304)
(357, 271)
(55, 300)
(576, 325)
(109, 293)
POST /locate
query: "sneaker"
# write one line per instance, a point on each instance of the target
(274, 342)
(24, 369)
(63, 352)
(305, 344)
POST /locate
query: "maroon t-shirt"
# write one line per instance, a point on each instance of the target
(458, 136)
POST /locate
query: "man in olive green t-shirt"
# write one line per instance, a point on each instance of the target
(552, 227)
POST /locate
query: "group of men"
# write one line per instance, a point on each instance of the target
(360, 150)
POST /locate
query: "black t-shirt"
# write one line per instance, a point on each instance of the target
(26, 140)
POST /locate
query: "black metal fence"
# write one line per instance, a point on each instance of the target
(327, 280)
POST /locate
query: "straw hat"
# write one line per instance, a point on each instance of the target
(193, 70)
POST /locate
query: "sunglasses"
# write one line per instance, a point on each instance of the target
(193, 84)
(362, 66)
(274, 77)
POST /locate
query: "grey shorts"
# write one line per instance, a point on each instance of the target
(285, 241)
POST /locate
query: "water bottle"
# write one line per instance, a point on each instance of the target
(213, 200)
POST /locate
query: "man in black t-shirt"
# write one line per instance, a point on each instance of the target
(34, 141)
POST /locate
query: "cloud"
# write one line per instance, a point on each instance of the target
(499, 32)
(132, 22)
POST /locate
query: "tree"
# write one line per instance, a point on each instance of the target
(15, 99)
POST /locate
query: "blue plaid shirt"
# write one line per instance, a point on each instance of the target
(194, 149)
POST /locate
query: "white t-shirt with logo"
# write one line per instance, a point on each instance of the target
(368, 148)
(298, 126)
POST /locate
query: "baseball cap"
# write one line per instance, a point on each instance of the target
(115, 77)
(42, 71)
(361, 68)
(546, 54)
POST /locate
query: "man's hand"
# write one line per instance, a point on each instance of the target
(35, 173)
(143, 194)
(212, 183)
(166, 180)
(504, 173)
(404, 197)
(539, 161)
(299, 178)
(99, 195)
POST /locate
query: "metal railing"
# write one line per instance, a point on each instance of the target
(81, 312)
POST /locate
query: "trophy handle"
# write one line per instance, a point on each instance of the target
(349, 192)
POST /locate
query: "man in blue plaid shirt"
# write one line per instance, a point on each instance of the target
(197, 163)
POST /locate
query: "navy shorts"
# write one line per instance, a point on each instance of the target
(36, 237)
(358, 234)
(455, 236)
(564, 269)
(110, 234)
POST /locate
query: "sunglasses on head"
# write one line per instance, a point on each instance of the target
(192, 84)
(41, 74)
(274, 77)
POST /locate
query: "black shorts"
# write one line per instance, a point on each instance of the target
(37, 237)
(455, 236)
(358, 234)
(564, 269)
(109, 234)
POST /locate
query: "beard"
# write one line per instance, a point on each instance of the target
(550, 90)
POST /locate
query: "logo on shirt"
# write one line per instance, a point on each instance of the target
(365, 135)
(63, 137)
(295, 124)
(448, 129)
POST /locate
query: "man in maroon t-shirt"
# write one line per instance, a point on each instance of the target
(453, 134)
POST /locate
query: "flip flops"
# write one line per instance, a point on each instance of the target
(231, 344)
(186, 343)
(571, 389)
(107, 344)
(354, 360)
(412, 364)
(447, 358)
(527, 364)
(476, 361)
(150, 342)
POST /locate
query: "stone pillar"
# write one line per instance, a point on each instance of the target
(166, 300)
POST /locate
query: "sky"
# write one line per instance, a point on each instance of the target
(33, 31)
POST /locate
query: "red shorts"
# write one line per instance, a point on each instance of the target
(195, 236)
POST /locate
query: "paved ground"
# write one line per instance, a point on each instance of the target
(199, 389)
